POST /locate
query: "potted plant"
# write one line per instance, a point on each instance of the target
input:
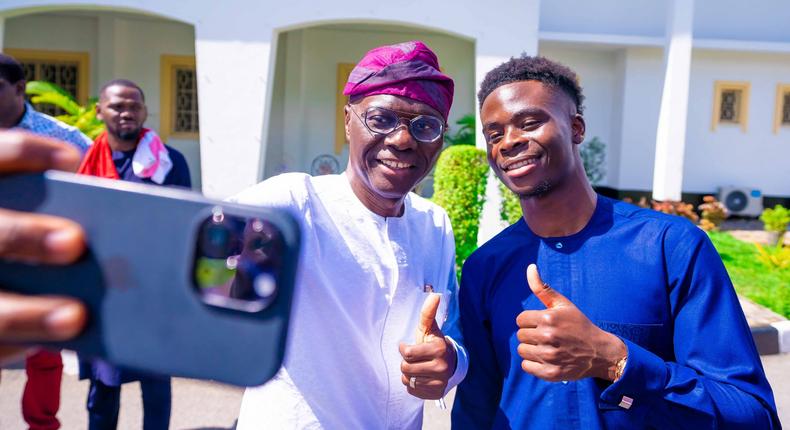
(775, 222)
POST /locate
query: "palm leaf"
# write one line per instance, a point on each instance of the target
(66, 103)
(35, 88)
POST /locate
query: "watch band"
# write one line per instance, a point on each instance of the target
(620, 368)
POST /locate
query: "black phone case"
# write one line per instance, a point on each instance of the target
(137, 279)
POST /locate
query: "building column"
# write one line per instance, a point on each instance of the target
(233, 80)
(671, 133)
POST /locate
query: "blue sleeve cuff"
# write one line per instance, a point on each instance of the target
(461, 365)
(643, 380)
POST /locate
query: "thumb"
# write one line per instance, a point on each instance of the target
(427, 316)
(547, 295)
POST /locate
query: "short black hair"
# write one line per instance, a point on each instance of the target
(527, 68)
(10, 69)
(123, 83)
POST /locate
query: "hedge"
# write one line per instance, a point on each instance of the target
(459, 187)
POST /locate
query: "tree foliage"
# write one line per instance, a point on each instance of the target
(465, 135)
(594, 158)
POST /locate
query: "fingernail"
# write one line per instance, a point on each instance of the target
(65, 159)
(61, 243)
(65, 321)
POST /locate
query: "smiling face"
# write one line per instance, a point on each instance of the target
(532, 134)
(386, 167)
(123, 110)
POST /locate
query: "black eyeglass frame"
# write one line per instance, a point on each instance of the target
(401, 116)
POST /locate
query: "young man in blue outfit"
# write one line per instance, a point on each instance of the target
(640, 327)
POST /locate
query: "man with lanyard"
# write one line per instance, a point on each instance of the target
(128, 152)
(41, 396)
(641, 327)
(365, 344)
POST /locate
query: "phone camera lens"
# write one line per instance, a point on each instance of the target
(265, 285)
(216, 240)
(238, 262)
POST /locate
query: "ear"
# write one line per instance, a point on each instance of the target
(20, 87)
(347, 120)
(98, 111)
(578, 127)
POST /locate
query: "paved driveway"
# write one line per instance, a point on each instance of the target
(210, 406)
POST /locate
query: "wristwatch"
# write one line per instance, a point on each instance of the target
(619, 368)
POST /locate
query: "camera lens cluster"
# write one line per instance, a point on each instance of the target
(238, 260)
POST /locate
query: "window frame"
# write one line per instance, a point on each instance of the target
(743, 108)
(168, 65)
(43, 55)
(781, 91)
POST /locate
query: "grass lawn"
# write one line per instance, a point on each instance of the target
(752, 279)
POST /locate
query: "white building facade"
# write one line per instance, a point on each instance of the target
(687, 95)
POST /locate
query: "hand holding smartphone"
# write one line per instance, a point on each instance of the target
(174, 283)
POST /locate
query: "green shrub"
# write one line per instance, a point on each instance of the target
(776, 219)
(510, 211)
(459, 187)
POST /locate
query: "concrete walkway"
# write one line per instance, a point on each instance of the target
(199, 405)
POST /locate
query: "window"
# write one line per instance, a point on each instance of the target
(69, 70)
(179, 98)
(343, 70)
(782, 115)
(731, 104)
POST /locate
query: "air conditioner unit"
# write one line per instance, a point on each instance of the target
(742, 201)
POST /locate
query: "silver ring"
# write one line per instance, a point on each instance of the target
(413, 382)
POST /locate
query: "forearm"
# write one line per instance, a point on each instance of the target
(671, 394)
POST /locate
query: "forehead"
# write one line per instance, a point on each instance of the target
(398, 103)
(517, 96)
(118, 93)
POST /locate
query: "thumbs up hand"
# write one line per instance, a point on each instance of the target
(428, 364)
(560, 343)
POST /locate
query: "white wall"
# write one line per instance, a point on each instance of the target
(630, 17)
(120, 45)
(763, 20)
(303, 107)
(643, 72)
(728, 156)
(74, 33)
(597, 71)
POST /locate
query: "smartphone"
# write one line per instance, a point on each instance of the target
(175, 283)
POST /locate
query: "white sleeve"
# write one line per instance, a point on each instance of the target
(286, 191)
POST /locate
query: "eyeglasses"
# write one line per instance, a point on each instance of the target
(424, 128)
